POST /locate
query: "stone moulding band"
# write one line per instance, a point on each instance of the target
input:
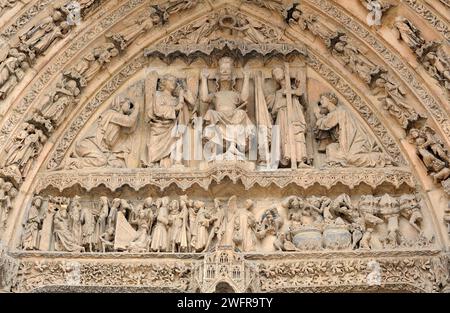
(184, 179)
(323, 254)
(173, 50)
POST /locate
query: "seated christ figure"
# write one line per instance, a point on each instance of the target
(226, 121)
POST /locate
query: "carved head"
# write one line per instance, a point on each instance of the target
(148, 202)
(116, 203)
(37, 201)
(57, 16)
(198, 204)
(64, 27)
(380, 82)
(226, 69)
(414, 133)
(174, 206)
(156, 19)
(104, 200)
(63, 210)
(296, 14)
(126, 106)
(278, 74)
(388, 204)
(7, 186)
(407, 202)
(29, 127)
(142, 213)
(168, 82)
(329, 101)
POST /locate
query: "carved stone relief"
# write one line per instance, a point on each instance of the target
(325, 200)
(192, 225)
(377, 8)
(391, 94)
(432, 152)
(433, 55)
(6, 5)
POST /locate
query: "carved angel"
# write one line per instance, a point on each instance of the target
(41, 36)
(127, 36)
(437, 62)
(7, 194)
(173, 6)
(352, 56)
(406, 31)
(382, 5)
(92, 63)
(277, 104)
(393, 99)
(12, 69)
(432, 153)
(24, 149)
(57, 105)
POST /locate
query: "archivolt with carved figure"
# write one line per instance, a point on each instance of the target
(195, 143)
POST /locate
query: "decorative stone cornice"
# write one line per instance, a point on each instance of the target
(305, 178)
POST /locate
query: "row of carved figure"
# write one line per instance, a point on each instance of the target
(16, 60)
(433, 55)
(56, 106)
(187, 225)
(109, 144)
(45, 32)
(227, 121)
(319, 222)
(58, 103)
(390, 92)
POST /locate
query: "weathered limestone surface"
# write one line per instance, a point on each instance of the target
(177, 146)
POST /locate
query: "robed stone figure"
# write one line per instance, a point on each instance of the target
(168, 116)
(352, 146)
(278, 106)
(226, 121)
(109, 145)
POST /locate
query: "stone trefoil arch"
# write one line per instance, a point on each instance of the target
(98, 171)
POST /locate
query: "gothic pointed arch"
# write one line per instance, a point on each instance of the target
(245, 143)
